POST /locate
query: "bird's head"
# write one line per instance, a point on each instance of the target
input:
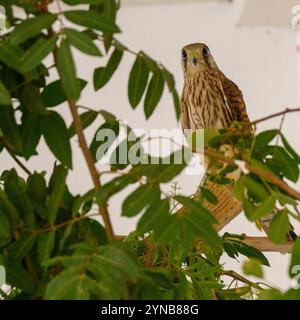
(196, 57)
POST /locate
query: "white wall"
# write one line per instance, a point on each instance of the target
(261, 60)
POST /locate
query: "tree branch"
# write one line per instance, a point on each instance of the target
(287, 110)
(91, 166)
(8, 149)
(265, 244)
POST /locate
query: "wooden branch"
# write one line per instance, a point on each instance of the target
(91, 166)
(287, 110)
(266, 245)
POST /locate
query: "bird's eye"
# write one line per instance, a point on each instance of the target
(205, 51)
(184, 54)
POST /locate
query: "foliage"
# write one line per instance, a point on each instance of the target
(51, 242)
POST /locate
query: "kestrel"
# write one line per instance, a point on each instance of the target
(211, 100)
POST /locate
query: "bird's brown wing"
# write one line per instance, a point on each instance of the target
(235, 100)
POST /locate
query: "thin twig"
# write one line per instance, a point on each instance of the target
(280, 128)
(287, 110)
(16, 159)
(236, 276)
(63, 224)
(91, 166)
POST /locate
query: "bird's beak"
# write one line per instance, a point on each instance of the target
(194, 60)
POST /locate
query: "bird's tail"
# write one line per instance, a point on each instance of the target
(228, 207)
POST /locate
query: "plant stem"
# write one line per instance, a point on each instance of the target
(63, 224)
(91, 166)
(287, 110)
(22, 166)
(236, 276)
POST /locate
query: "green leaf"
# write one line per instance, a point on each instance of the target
(103, 74)
(138, 79)
(82, 42)
(9, 209)
(116, 260)
(92, 232)
(238, 189)
(266, 207)
(208, 195)
(255, 189)
(16, 194)
(152, 64)
(31, 99)
(45, 244)
(114, 186)
(176, 102)
(203, 228)
(265, 137)
(163, 172)
(87, 118)
(31, 134)
(70, 284)
(18, 277)
(279, 227)
(289, 148)
(253, 267)
(93, 20)
(37, 192)
(54, 94)
(249, 251)
(21, 248)
(11, 55)
(154, 93)
(4, 225)
(154, 215)
(31, 28)
(286, 164)
(103, 139)
(285, 199)
(59, 178)
(142, 197)
(67, 71)
(5, 97)
(55, 132)
(80, 202)
(10, 129)
(36, 53)
(194, 206)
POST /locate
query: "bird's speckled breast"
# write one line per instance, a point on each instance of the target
(204, 102)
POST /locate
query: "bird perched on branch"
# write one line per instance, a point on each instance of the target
(211, 100)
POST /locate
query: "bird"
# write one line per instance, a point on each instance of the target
(211, 100)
